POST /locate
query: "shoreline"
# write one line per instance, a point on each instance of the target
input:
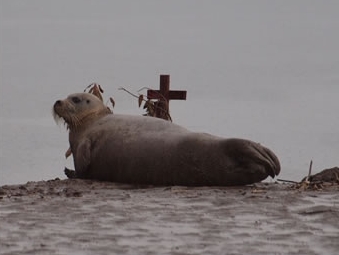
(87, 217)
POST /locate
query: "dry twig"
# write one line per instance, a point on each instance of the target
(153, 108)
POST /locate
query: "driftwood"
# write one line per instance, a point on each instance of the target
(317, 181)
(327, 175)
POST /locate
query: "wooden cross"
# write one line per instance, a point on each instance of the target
(165, 94)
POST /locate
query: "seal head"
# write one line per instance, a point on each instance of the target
(79, 110)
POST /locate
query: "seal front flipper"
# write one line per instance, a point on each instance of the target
(70, 173)
(82, 156)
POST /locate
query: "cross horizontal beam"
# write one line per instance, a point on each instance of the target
(165, 93)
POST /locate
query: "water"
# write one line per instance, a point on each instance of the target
(263, 70)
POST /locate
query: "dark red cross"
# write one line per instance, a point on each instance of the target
(165, 94)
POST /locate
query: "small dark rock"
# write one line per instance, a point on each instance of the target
(327, 175)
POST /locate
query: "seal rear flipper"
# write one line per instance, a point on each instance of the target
(251, 159)
(268, 159)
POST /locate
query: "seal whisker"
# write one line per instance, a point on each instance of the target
(74, 123)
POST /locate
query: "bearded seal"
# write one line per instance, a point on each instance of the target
(152, 151)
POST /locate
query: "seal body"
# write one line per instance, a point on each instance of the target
(147, 150)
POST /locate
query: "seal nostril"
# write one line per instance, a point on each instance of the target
(58, 104)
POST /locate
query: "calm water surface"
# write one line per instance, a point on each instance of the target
(266, 71)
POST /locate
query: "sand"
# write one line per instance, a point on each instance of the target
(88, 217)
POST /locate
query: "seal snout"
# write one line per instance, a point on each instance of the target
(57, 107)
(60, 111)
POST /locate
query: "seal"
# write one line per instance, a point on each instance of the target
(152, 151)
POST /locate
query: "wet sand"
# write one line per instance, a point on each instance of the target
(88, 217)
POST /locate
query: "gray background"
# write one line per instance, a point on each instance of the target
(262, 70)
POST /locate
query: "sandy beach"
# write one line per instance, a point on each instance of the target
(88, 217)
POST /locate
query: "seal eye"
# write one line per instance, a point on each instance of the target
(88, 101)
(76, 100)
